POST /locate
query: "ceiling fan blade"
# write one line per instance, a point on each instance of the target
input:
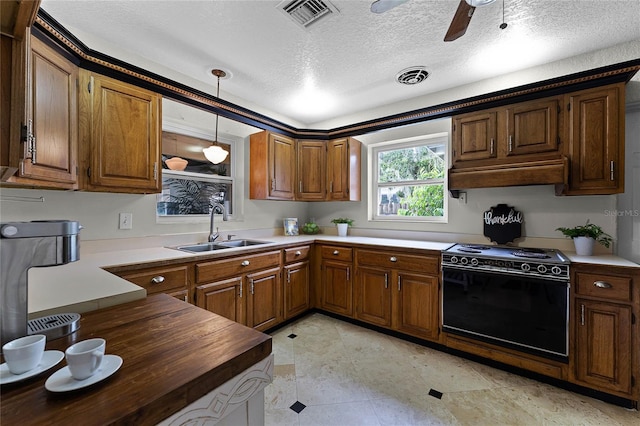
(460, 21)
(381, 6)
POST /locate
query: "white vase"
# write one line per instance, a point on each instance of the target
(342, 229)
(584, 245)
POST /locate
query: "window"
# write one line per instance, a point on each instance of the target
(408, 179)
(185, 193)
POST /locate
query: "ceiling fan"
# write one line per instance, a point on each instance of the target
(460, 20)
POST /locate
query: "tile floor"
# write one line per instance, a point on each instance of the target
(330, 372)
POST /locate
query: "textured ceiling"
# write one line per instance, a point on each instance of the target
(351, 57)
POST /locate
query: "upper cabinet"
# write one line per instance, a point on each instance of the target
(272, 170)
(304, 170)
(45, 150)
(120, 131)
(575, 141)
(595, 132)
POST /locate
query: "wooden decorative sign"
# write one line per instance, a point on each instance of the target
(503, 224)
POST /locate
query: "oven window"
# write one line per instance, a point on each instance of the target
(530, 314)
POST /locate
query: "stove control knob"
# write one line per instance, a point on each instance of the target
(525, 267)
(454, 259)
(464, 260)
(474, 261)
(542, 269)
(556, 270)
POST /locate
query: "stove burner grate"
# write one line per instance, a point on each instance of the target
(531, 253)
(476, 247)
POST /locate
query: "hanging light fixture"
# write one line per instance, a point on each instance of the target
(215, 153)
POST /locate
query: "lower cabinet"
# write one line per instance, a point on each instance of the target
(246, 288)
(296, 289)
(172, 280)
(606, 342)
(398, 291)
(335, 280)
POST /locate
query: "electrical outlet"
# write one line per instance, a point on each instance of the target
(462, 198)
(126, 221)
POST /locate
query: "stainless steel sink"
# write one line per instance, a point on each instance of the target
(222, 245)
(242, 243)
(202, 247)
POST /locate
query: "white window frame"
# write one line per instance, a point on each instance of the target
(372, 154)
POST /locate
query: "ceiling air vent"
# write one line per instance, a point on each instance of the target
(306, 12)
(412, 75)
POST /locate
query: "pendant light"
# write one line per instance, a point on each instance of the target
(215, 153)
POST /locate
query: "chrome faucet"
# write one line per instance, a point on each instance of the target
(216, 206)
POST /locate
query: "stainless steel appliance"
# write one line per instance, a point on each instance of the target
(510, 296)
(24, 245)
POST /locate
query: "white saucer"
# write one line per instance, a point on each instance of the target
(49, 359)
(62, 381)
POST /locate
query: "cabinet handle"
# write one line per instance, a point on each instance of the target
(300, 187)
(602, 284)
(298, 253)
(393, 259)
(510, 143)
(251, 282)
(155, 171)
(31, 142)
(331, 186)
(240, 289)
(493, 142)
(336, 252)
(386, 281)
(399, 282)
(348, 273)
(611, 169)
(157, 280)
(288, 276)
(245, 263)
(581, 314)
(273, 184)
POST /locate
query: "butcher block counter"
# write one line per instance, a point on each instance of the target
(173, 354)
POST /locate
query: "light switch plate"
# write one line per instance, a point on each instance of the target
(126, 221)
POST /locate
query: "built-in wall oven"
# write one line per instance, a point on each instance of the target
(509, 296)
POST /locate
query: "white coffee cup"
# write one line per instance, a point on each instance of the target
(84, 358)
(25, 353)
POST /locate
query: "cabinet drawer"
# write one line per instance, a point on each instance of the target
(407, 262)
(603, 286)
(296, 254)
(217, 269)
(161, 280)
(337, 253)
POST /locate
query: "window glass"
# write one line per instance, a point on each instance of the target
(184, 193)
(408, 179)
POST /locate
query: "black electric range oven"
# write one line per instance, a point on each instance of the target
(509, 296)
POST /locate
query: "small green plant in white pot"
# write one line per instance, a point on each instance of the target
(342, 224)
(584, 237)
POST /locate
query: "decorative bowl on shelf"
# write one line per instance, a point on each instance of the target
(310, 228)
(176, 163)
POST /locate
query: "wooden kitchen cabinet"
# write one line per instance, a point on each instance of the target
(399, 291)
(336, 287)
(272, 167)
(43, 143)
(120, 136)
(172, 280)
(343, 170)
(605, 331)
(595, 132)
(474, 136)
(311, 170)
(296, 278)
(245, 288)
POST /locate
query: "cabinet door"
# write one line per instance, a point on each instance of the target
(223, 298)
(603, 345)
(532, 127)
(474, 136)
(311, 170)
(124, 126)
(417, 305)
(264, 299)
(337, 291)
(343, 170)
(296, 285)
(373, 296)
(50, 152)
(282, 155)
(596, 137)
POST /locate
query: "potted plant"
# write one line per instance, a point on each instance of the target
(342, 224)
(584, 237)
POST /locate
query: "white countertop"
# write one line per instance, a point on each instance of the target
(84, 286)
